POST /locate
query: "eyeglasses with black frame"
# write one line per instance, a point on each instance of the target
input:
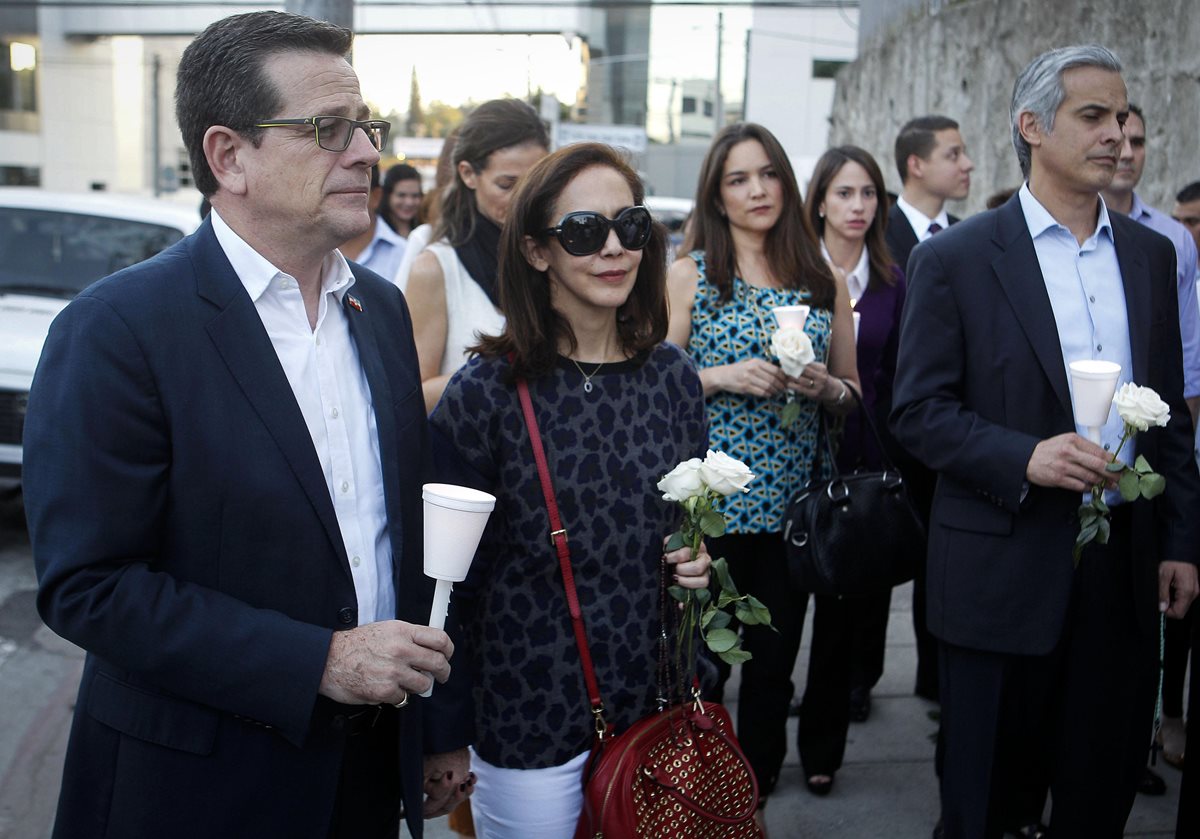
(335, 133)
(584, 232)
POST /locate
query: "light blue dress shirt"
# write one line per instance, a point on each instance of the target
(1088, 299)
(1185, 264)
(384, 252)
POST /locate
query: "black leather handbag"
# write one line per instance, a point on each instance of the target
(854, 533)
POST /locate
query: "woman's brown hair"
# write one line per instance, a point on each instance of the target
(494, 125)
(533, 329)
(791, 245)
(879, 255)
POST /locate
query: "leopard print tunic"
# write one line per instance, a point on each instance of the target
(607, 450)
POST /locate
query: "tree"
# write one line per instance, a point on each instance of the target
(415, 124)
(441, 118)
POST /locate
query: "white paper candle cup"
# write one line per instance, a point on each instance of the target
(1093, 384)
(454, 521)
(790, 316)
(455, 518)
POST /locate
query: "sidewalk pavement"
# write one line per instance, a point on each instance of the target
(886, 787)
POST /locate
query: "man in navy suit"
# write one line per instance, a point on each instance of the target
(225, 446)
(1046, 666)
(931, 158)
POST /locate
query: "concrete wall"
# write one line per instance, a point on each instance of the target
(961, 59)
(876, 17)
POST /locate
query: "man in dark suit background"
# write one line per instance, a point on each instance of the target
(225, 446)
(934, 168)
(1044, 666)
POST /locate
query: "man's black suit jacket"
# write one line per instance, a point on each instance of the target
(980, 381)
(900, 236)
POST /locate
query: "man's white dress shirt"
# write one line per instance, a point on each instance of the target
(919, 221)
(323, 368)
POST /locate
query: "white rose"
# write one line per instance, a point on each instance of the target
(794, 350)
(682, 482)
(725, 475)
(1141, 407)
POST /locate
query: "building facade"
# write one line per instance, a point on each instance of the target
(793, 58)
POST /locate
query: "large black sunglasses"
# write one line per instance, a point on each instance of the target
(584, 232)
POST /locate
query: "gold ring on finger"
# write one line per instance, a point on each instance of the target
(402, 702)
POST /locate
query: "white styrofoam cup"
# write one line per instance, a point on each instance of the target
(790, 316)
(455, 517)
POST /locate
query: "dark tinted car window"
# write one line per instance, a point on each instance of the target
(62, 253)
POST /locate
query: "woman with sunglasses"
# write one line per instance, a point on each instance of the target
(754, 251)
(582, 280)
(451, 289)
(402, 196)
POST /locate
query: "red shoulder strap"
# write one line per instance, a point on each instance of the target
(558, 535)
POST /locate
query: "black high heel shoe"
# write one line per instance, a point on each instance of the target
(819, 787)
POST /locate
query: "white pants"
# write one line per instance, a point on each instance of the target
(527, 803)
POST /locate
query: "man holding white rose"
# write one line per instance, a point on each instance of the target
(1048, 670)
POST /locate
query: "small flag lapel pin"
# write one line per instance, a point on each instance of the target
(353, 301)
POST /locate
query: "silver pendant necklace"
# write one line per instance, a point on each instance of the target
(587, 377)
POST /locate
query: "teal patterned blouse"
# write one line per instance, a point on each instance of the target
(749, 427)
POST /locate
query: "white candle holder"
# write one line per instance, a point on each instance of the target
(455, 518)
(791, 317)
(1093, 383)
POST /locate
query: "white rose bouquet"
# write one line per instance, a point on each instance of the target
(1139, 409)
(698, 485)
(794, 350)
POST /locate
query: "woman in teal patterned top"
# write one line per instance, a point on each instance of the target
(755, 251)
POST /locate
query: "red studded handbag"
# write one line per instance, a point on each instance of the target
(678, 773)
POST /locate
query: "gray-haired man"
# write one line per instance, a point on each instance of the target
(1045, 666)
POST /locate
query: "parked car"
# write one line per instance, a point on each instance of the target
(673, 213)
(52, 246)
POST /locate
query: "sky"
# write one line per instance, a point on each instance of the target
(457, 68)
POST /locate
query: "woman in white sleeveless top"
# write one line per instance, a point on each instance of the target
(451, 288)
(418, 240)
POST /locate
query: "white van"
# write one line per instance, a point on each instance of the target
(52, 246)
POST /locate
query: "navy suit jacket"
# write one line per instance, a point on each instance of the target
(980, 381)
(901, 238)
(184, 536)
